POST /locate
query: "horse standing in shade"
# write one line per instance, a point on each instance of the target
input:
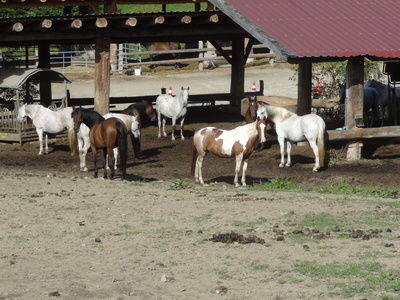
(371, 101)
(239, 142)
(172, 107)
(293, 128)
(251, 112)
(48, 121)
(105, 134)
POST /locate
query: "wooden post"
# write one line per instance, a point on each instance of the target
(44, 62)
(102, 75)
(354, 103)
(237, 74)
(304, 89)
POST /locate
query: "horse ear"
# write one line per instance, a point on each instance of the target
(188, 88)
(255, 98)
(181, 88)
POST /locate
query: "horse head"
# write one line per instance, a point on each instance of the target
(262, 112)
(261, 125)
(185, 92)
(21, 113)
(76, 116)
(253, 105)
(150, 112)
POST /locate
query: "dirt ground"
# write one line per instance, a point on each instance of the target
(67, 235)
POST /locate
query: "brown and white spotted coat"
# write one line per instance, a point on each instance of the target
(239, 142)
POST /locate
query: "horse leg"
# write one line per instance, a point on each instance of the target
(94, 151)
(314, 148)
(46, 143)
(159, 124)
(289, 158)
(40, 136)
(173, 128)
(115, 150)
(281, 141)
(244, 169)
(111, 161)
(105, 165)
(239, 159)
(182, 120)
(199, 165)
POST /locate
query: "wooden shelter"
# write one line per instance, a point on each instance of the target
(17, 80)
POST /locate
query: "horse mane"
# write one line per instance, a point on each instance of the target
(90, 117)
(279, 114)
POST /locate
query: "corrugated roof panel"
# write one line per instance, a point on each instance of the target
(320, 28)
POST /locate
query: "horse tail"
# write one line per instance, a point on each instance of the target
(195, 154)
(122, 146)
(321, 143)
(72, 141)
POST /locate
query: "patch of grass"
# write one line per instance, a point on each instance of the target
(257, 266)
(180, 184)
(335, 156)
(202, 218)
(223, 274)
(289, 280)
(259, 221)
(86, 233)
(359, 277)
(321, 221)
(341, 187)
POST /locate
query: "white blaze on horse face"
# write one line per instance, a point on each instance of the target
(262, 112)
(262, 133)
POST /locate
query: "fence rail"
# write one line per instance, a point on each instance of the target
(126, 56)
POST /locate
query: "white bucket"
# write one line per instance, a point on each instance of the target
(138, 72)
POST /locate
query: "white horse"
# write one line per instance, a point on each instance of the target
(293, 128)
(131, 123)
(48, 121)
(172, 107)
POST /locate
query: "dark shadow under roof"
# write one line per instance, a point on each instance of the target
(320, 29)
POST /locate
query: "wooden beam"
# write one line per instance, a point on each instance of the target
(222, 51)
(357, 134)
(69, 24)
(44, 24)
(354, 103)
(15, 27)
(304, 89)
(237, 74)
(102, 75)
(44, 62)
(249, 46)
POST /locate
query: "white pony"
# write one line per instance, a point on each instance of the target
(172, 107)
(131, 123)
(47, 121)
(293, 128)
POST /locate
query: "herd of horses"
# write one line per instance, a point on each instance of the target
(109, 132)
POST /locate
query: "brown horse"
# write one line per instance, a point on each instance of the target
(251, 113)
(239, 142)
(105, 134)
(144, 113)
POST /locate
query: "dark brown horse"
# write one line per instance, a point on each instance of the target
(251, 113)
(105, 134)
(144, 113)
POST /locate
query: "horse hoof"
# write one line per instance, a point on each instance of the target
(182, 138)
(84, 169)
(288, 165)
(281, 165)
(244, 184)
(315, 169)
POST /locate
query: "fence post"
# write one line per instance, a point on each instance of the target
(121, 55)
(201, 55)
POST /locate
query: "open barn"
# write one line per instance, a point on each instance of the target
(156, 234)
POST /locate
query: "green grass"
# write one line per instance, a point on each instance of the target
(180, 184)
(321, 221)
(257, 266)
(351, 279)
(259, 221)
(342, 187)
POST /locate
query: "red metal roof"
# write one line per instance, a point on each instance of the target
(320, 28)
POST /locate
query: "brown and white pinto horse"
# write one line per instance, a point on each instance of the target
(105, 134)
(239, 142)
